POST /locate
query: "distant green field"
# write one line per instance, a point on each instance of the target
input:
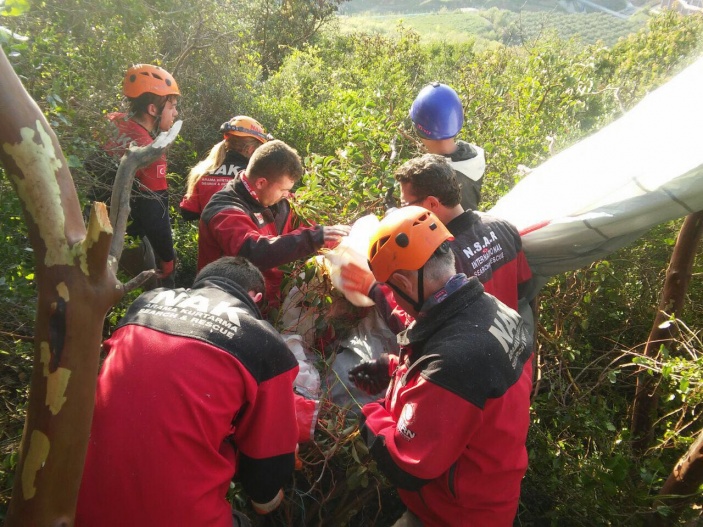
(376, 7)
(507, 27)
(388, 7)
(449, 27)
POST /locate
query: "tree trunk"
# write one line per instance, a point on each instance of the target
(76, 286)
(678, 277)
(75, 290)
(681, 487)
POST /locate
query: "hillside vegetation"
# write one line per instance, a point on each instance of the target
(395, 7)
(495, 25)
(404, 7)
(504, 21)
(341, 99)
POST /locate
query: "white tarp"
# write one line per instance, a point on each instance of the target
(607, 190)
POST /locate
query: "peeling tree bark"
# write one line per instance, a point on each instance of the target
(678, 277)
(75, 290)
(681, 487)
(76, 286)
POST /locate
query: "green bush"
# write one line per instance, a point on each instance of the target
(342, 101)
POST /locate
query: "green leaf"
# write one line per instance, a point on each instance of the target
(13, 7)
(73, 161)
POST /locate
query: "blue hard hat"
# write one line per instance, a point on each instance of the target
(437, 112)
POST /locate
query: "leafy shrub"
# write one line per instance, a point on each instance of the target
(343, 102)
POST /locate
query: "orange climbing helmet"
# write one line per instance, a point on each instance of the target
(244, 126)
(405, 239)
(145, 78)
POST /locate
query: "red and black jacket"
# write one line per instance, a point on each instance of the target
(234, 223)
(450, 433)
(490, 249)
(195, 388)
(486, 247)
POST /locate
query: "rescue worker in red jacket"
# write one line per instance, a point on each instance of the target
(487, 247)
(438, 116)
(241, 136)
(252, 217)
(450, 433)
(484, 246)
(153, 94)
(195, 388)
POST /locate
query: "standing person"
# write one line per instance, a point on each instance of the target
(152, 94)
(438, 115)
(486, 247)
(241, 136)
(195, 388)
(252, 217)
(450, 433)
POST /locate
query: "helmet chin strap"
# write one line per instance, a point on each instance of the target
(157, 122)
(156, 130)
(417, 304)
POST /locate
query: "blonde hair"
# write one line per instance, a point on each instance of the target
(216, 157)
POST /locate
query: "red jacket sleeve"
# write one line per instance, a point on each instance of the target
(430, 434)
(266, 436)
(524, 274)
(237, 234)
(191, 203)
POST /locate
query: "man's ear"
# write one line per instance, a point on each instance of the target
(404, 282)
(261, 183)
(152, 110)
(256, 297)
(431, 203)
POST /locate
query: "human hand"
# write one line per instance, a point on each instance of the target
(371, 376)
(335, 233)
(166, 268)
(356, 278)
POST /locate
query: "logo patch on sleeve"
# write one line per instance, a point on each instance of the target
(407, 417)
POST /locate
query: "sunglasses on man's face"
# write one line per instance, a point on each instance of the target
(414, 202)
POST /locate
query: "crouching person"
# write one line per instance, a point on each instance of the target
(450, 433)
(195, 388)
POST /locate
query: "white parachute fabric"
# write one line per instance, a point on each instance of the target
(607, 190)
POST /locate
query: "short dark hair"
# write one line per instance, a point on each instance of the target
(140, 105)
(237, 269)
(431, 175)
(273, 160)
